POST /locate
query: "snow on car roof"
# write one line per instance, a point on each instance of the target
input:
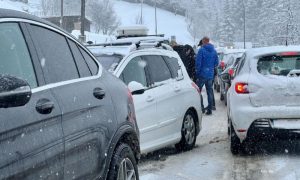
(271, 50)
(142, 38)
(109, 50)
(230, 51)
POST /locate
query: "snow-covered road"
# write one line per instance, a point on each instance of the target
(211, 158)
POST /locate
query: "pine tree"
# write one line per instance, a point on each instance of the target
(227, 26)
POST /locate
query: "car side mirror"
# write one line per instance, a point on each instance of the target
(14, 92)
(136, 88)
(225, 77)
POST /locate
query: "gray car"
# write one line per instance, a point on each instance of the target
(62, 116)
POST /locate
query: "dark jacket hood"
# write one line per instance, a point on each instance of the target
(209, 47)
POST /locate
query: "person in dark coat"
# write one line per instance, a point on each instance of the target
(190, 61)
(187, 55)
(206, 61)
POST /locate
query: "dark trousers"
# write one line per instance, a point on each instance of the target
(209, 90)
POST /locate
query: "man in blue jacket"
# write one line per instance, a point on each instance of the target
(207, 60)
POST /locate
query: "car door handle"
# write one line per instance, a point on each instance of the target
(99, 93)
(150, 99)
(44, 106)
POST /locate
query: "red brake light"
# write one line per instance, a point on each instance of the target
(196, 87)
(129, 95)
(131, 110)
(289, 54)
(231, 72)
(222, 64)
(241, 88)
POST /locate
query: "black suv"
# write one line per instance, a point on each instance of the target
(62, 116)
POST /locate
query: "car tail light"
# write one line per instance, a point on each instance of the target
(196, 87)
(231, 72)
(289, 54)
(129, 95)
(241, 88)
(131, 110)
(222, 65)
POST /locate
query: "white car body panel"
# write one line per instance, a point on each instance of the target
(270, 97)
(160, 120)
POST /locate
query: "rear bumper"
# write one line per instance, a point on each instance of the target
(245, 120)
(263, 130)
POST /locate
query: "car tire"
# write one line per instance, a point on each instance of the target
(235, 144)
(225, 99)
(123, 160)
(188, 132)
(228, 126)
(218, 88)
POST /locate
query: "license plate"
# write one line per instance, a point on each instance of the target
(287, 124)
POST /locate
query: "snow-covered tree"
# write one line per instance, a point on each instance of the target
(103, 16)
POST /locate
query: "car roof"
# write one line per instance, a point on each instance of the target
(256, 52)
(233, 51)
(8, 13)
(125, 50)
(110, 50)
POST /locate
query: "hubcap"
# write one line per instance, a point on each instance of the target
(126, 170)
(189, 130)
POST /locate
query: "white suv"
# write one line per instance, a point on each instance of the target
(264, 99)
(167, 102)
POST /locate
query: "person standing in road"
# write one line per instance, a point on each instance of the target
(190, 61)
(206, 61)
(213, 102)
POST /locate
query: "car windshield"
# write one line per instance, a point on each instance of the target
(278, 65)
(109, 62)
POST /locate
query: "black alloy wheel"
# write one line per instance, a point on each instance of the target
(123, 165)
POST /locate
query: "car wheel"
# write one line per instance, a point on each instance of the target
(235, 144)
(228, 126)
(188, 132)
(123, 164)
(225, 99)
(218, 88)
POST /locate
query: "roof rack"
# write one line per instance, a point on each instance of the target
(129, 36)
(112, 44)
(144, 44)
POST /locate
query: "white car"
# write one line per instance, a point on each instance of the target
(264, 98)
(167, 102)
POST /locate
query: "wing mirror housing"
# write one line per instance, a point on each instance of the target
(136, 88)
(14, 92)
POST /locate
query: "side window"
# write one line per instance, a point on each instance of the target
(158, 68)
(83, 68)
(135, 71)
(15, 58)
(56, 55)
(174, 66)
(90, 61)
(240, 65)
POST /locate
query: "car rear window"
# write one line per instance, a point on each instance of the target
(109, 62)
(281, 65)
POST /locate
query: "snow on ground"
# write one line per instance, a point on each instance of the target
(211, 159)
(94, 37)
(168, 23)
(30, 7)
